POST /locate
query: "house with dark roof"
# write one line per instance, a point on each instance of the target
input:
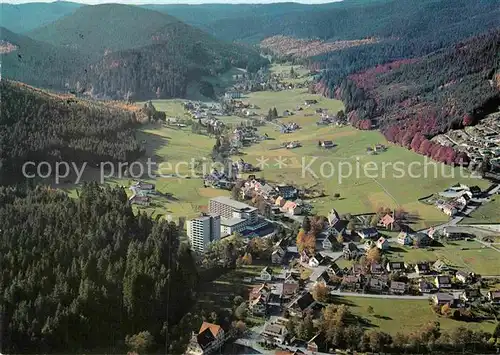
(440, 266)
(422, 240)
(266, 274)
(368, 233)
(317, 344)
(274, 332)
(351, 251)
(329, 242)
(397, 288)
(494, 296)
(316, 260)
(462, 276)
(425, 286)
(352, 282)
(442, 298)
(471, 294)
(422, 268)
(395, 266)
(301, 304)
(327, 144)
(404, 239)
(376, 269)
(376, 284)
(334, 270)
(442, 281)
(290, 289)
(286, 191)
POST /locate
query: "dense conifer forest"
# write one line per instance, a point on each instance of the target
(412, 100)
(36, 125)
(82, 274)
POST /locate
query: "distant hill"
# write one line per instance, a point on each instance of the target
(425, 96)
(122, 51)
(111, 27)
(37, 125)
(25, 17)
(37, 63)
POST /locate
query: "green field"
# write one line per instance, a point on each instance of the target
(393, 316)
(465, 255)
(488, 213)
(342, 169)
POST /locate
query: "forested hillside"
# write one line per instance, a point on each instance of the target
(415, 99)
(36, 126)
(78, 275)
(25, 17)
(37, 63)
(117, 51)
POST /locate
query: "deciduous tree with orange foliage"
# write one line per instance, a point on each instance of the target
(306, 242)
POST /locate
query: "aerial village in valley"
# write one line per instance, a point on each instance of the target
(299, 263)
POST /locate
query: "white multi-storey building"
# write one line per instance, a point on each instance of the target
(235, 215)
(203, 230)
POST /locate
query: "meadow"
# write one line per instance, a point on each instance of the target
(347, 169)
(465, 255)
(393, 316)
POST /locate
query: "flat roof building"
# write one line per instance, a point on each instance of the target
(203, 230)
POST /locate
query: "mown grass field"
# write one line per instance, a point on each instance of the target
(393, 316)
(466, 255)
(488, 213)
(345, 169)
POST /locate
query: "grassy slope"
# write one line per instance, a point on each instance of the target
(403, 315)
(474, 257)
(488, 213)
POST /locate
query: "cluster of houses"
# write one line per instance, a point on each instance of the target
(456, 198)
(481, 142)
(289, 127)
(244, 136)
(141, 193)
(200, 110)
(327, 119)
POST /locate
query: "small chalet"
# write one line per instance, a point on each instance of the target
(351, 251)
(139, 200)
(209, 338)
(144, 186)
(302, 304)
(422, 240)
(494, 296)
(316, 260)
(334, 270)
(324, 278)
(280, 201)
(382, 243)
(404, 239)
(440, 266)
(376, 269)
(425, 287)
(310, 102)
(292, 208)
(377, 285)
(329, 242)
(258, 299)
(422, 268)
(442, 281)
(357, 269)
(395, 266)
(327, 144)
(266, 274)
(352, 282)
(442, 298)
(304, 257)
(475, 191)
(470, 294)
(287, 191)
(277, 256)
(368, 233)
(275, 332)
(289, 289)
(317, 344)
(462, 276)
(397, 288)
(387, 221)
